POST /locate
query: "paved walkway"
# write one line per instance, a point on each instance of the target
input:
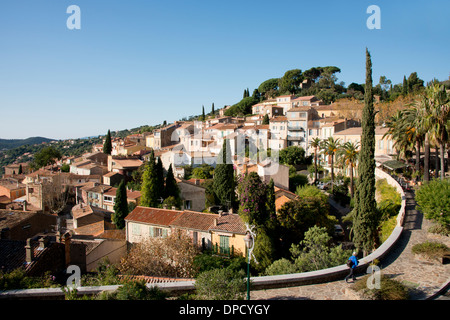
(424, 278)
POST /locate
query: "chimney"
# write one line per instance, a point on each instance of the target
(24, 206)
(164, 206)
(197, 182)
(43, 241)
(220, 213)
(29, 252)
(230, 210)
(67, 241)
(174, 208)
(215, 222)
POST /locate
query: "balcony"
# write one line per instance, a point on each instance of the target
(295, 138)
(295, 128)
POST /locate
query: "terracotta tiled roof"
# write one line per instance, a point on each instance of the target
(230, 222)
(9, 219)
(305, 98)
(163, 217)
(149, 279)
(195, 220)
(278, 119)
(80, 211)
(128, 163)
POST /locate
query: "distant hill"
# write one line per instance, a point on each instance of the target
(14, 143)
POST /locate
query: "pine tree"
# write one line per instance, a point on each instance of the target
(365, 220)
(150, 191)
(120, 206)
(107, 146)
(224, 185)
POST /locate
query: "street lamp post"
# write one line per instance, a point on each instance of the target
(249, 244)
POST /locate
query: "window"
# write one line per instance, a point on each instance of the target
(108, 198)
(224, 244)
(156, 232)
(381, 145)
(136, 229)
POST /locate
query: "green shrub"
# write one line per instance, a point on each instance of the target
(18, 279)
(431, 249)
(387, 192)
(134, 290)
(440, 229)
(221, 284)
(433, 199)
(390, 289)
(386, 228)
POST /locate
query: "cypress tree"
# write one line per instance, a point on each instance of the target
(405, 86)
(120, 206)
(150, 191)
(171, 189)
(224, 185)
(365, 220)
(159, 178)
(213, 111)
(107, 146)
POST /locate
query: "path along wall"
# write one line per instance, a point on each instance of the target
(265, 282)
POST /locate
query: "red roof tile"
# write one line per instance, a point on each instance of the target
(163, 217)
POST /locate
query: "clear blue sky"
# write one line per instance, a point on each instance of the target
(134, 62)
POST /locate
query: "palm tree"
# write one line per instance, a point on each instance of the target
(401, 134)
(439, 117)
(413, 130)
(349, 153)
(423, 124)
(315, 143)
(330, 147)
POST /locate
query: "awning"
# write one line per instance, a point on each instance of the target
(394, 164)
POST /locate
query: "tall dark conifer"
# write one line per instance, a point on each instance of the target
(159, 178)
(150, 191)
(171, 189)
(107, 146)
(365, 217)
(120, 206)
(405, 86)
(223, 184)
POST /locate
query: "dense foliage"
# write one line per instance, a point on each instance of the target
(433, 199)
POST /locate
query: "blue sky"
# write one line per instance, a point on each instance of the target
(135, 63)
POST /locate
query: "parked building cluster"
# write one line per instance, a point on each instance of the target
(69, 213)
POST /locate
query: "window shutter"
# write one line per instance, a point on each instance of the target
(151, 231)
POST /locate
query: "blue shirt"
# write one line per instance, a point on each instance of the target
(355, 261)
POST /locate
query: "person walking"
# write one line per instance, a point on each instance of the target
(352, 262)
